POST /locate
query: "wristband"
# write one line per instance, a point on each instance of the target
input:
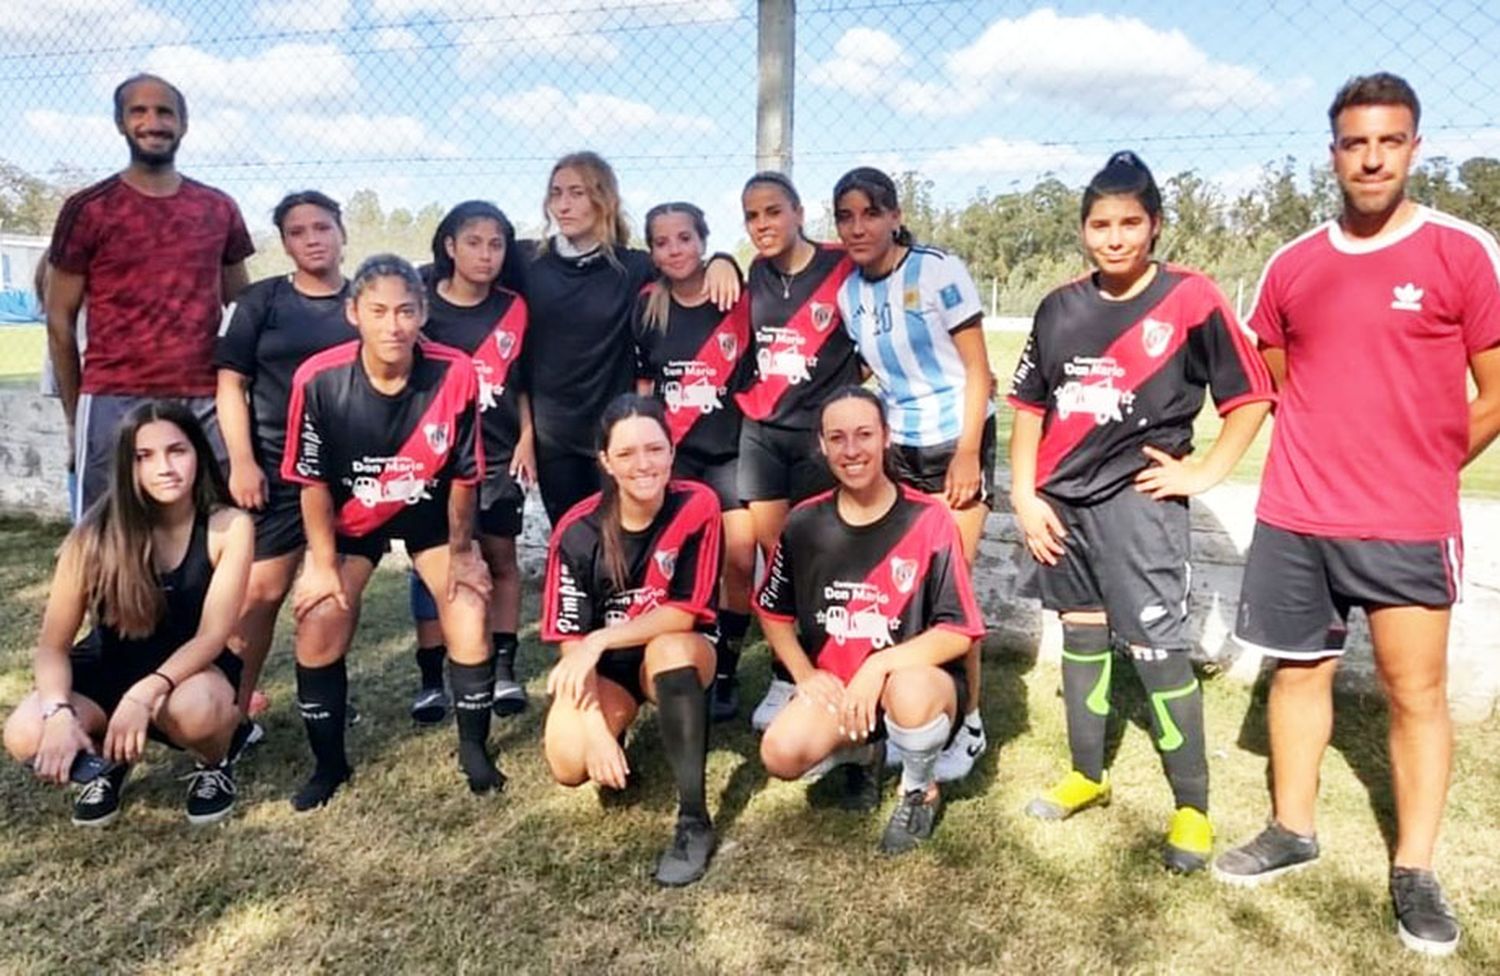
(171, 685)
(58, 706)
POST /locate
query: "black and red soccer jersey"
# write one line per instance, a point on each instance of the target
(673, 562)
(854, 590)
(493, 333)
(1111, 377)
(274, 329)
(380, 453)
(697, 363)
(802, 350)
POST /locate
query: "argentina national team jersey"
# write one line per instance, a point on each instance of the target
(903, 325)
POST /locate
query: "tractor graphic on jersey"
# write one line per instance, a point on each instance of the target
(702, 396)
(867, 624)
(783, 362)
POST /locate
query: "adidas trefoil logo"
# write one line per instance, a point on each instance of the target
(1408, 298)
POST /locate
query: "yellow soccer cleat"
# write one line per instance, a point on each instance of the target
(1074, 792)
(1190, 841)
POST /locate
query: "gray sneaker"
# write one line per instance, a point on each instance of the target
(429, 707)
(1273, 852)
(911, 822)
(1424, 920)
(687, 859)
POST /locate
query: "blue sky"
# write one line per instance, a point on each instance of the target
(441, 100)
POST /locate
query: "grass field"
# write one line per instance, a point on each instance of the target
(407, 872)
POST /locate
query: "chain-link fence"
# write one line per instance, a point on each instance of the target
(996, 111)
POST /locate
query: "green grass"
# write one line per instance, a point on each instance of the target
(1480, 479)
(407, 872)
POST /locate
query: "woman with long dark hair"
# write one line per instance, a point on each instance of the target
(1106, 392)
(581, 287)
(278, 323)
(629, 598)
(695, 358)
(914, 314)
(802, 354)
(474, 305)
(868, 603)
(159, 566)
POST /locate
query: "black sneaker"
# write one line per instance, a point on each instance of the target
(352, 716)
(319, 789)
(687, 859)
(724, 699)
(429, 707)
(911, 822)
(98, 803)
(1272, 853)
(864, 779)
(510, 694)
(1424, 920)
(210, 793)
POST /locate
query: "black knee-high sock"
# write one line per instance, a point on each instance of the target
(430, 661)
(682, 711)
(505, 645)
(1087, 661)
(1177, 721)
(322, 697)
(473, 694)
(732, 628)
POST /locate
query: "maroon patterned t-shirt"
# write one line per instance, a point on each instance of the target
(154, 267)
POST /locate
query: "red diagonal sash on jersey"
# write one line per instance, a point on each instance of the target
(814, 322)
(660, 568)
(499, 351)
(1141, 351)
(720, 353)
(406, 477)
(897, 576)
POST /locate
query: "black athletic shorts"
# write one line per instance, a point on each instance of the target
(503, 500)
(1128, 556)
(106, 685)
(780, 463)
(926, 468)
(720, 474)
(623, 666)
(1297, 589)
(278, 526)
(423, 526)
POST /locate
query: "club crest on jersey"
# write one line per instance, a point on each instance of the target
(1408, 298)
(728, 345)
(505, 344)
(437, 437)
(1156, 336)
(666, 561)
(903, 573)
(821, 314)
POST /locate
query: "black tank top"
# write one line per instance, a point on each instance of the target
(184, 589)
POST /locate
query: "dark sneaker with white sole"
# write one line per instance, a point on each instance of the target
(912, 822)
(510, 694)
(1425, 921)
(98, 803)
(1273, 852)
(430, 706)
(864, 778)
(210, 793)
(687, 859)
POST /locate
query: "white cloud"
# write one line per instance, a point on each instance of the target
(487, 31)
(280, 76)
(1095, 61)
(1006, 158)
(1459, 145)
(122, 21)
(298, 15)
(589, 113)
(397, 39)
(353, 134)
(216, 134)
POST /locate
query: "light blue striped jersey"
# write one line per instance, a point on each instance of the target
(903, 326)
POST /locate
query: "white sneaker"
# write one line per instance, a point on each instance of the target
(958, 759)
(777, 695)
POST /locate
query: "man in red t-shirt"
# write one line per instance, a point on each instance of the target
(1370, 324)
(156, 256)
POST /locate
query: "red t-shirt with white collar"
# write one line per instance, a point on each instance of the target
(1372, 423)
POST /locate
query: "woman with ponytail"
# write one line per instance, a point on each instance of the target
(630, 598)
(695, 358)
(915, 316)
(1105, 395)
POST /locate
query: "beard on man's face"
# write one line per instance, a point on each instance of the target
(153, 158)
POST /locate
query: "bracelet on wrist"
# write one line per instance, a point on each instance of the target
(171, 685)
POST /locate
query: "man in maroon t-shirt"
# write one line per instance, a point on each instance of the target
(1370, 324)
(156, 256)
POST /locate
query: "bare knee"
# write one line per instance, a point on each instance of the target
(668, 652)
(916, 696)
(780, 757)
(23, 730)
(323, 635)
(202, 708)
(565, 757)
